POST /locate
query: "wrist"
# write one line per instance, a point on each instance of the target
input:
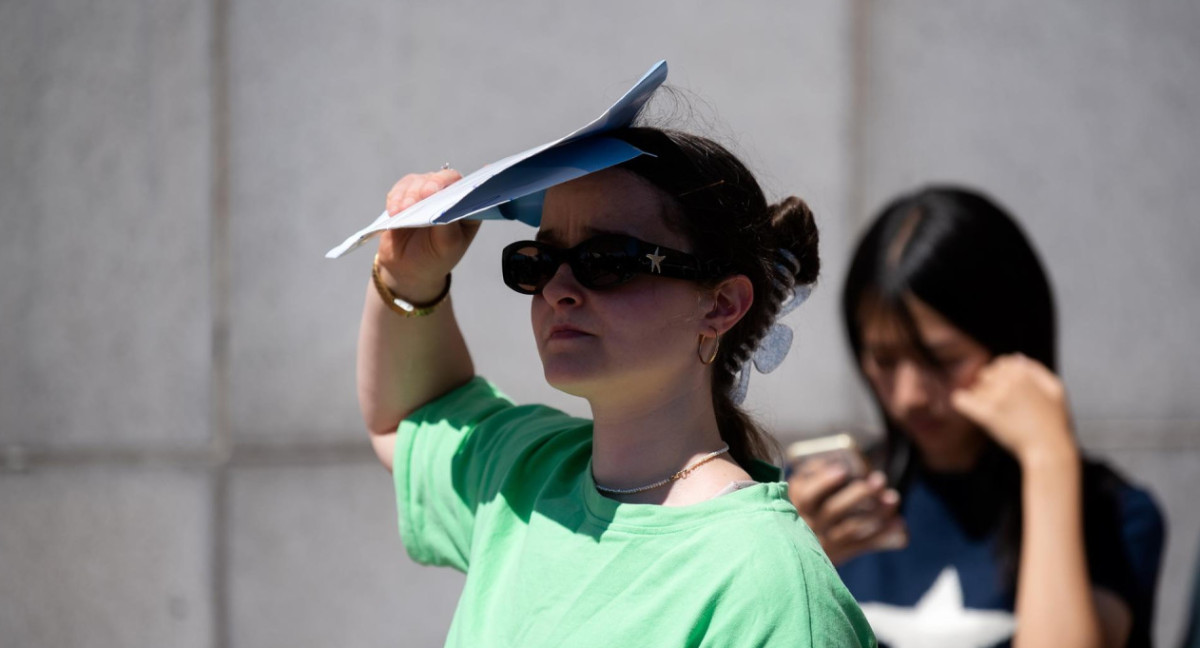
(404, 305)
(417, 288)
(1053, 453)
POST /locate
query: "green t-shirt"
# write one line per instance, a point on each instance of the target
(505, 494)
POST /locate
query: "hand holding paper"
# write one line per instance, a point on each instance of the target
(512, 188)
(416, 260)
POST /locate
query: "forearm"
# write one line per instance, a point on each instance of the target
(1054, 594)
(405, 362)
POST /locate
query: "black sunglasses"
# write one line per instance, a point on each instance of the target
(603, 261)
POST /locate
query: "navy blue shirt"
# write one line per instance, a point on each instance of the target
(951, 586)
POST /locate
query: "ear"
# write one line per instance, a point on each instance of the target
(731, 299)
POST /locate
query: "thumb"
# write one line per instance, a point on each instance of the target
(453, 239)
(469, 229)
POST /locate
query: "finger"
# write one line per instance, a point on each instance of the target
(970, 404)
(410, 193)
(894, 535)
(428, 184)
(446, 177)
(856, 497)
(392, 244)
(469, 229)
(454, 236)
(433, 182)
(1010, 359)
(407, 191)
(997, 368)
(854, 530)
(885, 505)
(813, 466)
(987, 387)
(1014, 372)
(1046, 380)
(890, 533)
(809, 489)
(396, 193)
(878, 483)
(984, 377)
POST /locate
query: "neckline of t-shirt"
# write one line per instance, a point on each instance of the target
(656, 518)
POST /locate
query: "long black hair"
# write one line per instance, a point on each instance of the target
(960, 253)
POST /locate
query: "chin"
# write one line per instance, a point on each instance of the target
(948, 443)
(570, 376)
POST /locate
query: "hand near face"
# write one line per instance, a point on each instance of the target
(422, 256)
(849, 517)
(1020, 403)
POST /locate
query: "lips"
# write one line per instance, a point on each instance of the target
(566, 332)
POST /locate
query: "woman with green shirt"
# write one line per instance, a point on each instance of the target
(657, 522)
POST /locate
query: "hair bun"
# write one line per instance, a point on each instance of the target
(795, 230)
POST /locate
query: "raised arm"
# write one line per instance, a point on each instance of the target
(405, 362)
(1022, 404)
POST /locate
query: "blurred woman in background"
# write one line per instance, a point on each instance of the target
(1011, 533)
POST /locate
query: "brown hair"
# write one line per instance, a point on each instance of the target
(719, 206)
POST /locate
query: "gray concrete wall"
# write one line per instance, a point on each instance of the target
(181, 458)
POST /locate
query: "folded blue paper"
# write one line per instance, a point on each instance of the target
(513, 188)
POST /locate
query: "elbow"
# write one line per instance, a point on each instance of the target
(381, 422)
(381, 428)
(384, 446)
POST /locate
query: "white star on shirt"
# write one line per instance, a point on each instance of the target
(939, 619)
(655, 260)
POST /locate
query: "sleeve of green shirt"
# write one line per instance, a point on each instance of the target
(788, 603)
(451, 456)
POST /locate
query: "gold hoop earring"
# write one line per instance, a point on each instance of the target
(700, 350)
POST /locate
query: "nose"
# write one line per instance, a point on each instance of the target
(910, 391)
(562, 289)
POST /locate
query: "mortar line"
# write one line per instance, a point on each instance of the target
(221, 431)
(859, 74)
(1114, 434)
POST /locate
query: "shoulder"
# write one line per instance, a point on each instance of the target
(777, 587)
(1125, 534)
(768, 538)
(788, 584)
(1133, 508)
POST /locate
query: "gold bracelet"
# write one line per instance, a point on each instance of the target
(403, 306)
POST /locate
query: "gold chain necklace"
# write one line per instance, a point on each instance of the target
(679, 475)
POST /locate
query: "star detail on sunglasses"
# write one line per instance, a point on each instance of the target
(656, 260)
